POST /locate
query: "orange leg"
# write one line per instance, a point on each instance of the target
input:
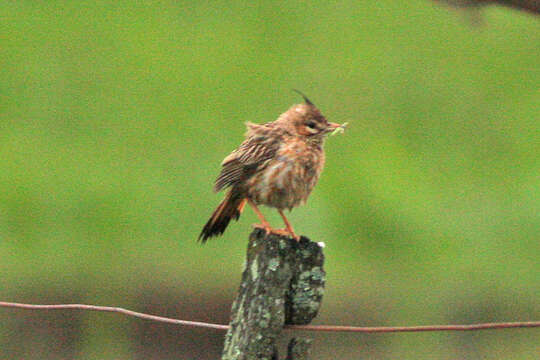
(264, 224)
(288, 225)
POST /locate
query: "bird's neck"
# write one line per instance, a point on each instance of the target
(317, 141)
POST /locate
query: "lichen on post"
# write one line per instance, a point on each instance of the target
(282, 283)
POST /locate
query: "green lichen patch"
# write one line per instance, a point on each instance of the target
(273, 264)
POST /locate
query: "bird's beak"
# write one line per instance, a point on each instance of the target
(335, 126)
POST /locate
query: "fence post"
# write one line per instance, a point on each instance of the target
(282, 283)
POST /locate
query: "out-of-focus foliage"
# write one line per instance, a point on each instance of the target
(115, 115)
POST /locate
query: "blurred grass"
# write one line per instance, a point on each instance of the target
(114, 117)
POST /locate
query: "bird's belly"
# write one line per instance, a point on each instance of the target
(283, 183)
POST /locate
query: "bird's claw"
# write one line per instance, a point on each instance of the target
(281, 232)
(287, 232)
(294, 236)
(266, 227)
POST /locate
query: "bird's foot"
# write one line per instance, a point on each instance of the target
(293, 235)
(286, 232)
(281, 232)
(264, 226)
(288, 226)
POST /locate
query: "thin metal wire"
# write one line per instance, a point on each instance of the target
(325, 328)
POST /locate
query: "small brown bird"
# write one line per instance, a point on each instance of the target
(277, 165)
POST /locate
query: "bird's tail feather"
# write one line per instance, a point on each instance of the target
(230, 208)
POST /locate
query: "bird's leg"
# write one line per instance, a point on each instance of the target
(288, 225)
(265, 225)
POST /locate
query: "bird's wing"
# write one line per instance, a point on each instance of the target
(261, 144)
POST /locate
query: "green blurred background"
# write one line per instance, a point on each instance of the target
(115, 115)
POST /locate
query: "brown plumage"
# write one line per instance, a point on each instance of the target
(277, 165)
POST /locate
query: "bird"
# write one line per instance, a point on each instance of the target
(277, 165)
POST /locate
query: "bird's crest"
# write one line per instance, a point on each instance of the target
(304, 96)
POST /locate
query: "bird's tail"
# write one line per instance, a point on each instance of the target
(230, 208)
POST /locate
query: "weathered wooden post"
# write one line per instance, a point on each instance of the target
(282, 283)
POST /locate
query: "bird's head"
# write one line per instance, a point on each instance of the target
(305, 120)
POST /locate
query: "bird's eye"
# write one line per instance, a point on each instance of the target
(311, 124)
